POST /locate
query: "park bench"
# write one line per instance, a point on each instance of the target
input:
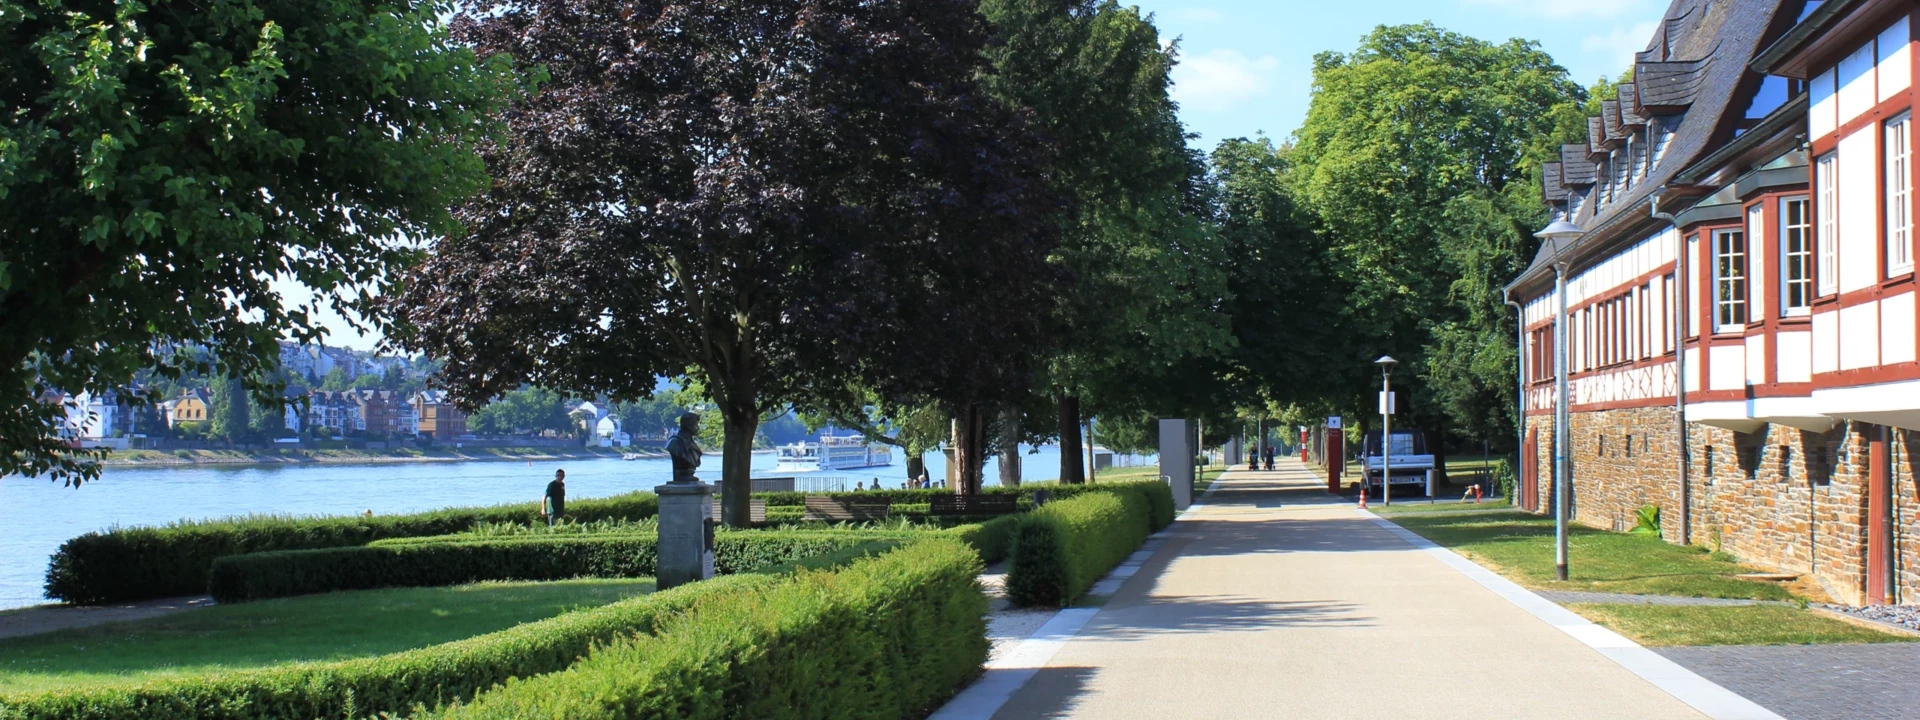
(983, 504)
(756, 510)
(825, 507)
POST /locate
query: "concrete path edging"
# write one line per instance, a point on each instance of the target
(1700, 693)
(1005, 676)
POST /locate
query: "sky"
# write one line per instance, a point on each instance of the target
(1245, 65)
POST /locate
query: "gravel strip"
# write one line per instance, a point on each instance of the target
(1571, 596)
(1906, 616)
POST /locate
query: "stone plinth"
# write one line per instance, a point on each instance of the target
(1176, 461)
(686, 534)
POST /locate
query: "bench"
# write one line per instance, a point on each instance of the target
(983, 504)
(756, 511)
(825, 507)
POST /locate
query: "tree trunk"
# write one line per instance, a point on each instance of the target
(736, 466)
(969, 448)
(1071, 472)
(915, 464)
(1010, 448)
(1437, 445)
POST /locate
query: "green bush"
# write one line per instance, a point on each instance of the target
(892, 636)
(1060, 549)
(394, 683)
(992, 539)
(423, 562)
(148, 562)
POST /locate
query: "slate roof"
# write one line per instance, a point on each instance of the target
(1610, 118)
(1575, 169)
(1630, 114)
(1695, 62)
(1596, 138)
(1550, 186)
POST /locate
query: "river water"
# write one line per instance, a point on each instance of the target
(36, 515)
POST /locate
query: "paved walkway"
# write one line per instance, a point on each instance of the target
(1814, 682)
(48, 618)
(1277, 600)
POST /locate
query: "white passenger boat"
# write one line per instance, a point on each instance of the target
(831, 452)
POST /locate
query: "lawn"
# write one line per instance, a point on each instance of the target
(1670, 625)
(334, 626)
(1520, 546)
(1420, 505)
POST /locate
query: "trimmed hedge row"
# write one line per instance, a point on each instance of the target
(1060, 549)
(392, 683)
(405, 681)
(425, 562)
(892, 636)
(149, 562)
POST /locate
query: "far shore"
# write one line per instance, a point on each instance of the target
(180, 458)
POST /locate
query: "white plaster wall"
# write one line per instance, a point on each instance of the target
(1859, 239)
(1823, 111)
(1860, 336)
(1794, 363)
(1756, 360)
(1895, 67)
(1896, 329)
(1856, 84)
(1693, 369)
(1727, 367)
(1826, 342)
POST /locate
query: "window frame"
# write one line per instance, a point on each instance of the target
(1731, 302)
(1897, 164)
(1801, 259)
(1826, 236)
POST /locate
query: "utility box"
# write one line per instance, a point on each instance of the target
(1176, 461)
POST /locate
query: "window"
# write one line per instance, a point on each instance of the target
(1796, 257)
(1604, 175)
(1827, 238)
(1626, 166)
(1729, 279)
(1899, 197)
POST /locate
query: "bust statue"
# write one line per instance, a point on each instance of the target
(684, 450)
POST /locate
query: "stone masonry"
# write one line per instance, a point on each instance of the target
(1778, 498)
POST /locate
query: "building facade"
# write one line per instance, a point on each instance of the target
(1741, 329)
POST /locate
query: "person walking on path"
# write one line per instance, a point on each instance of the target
(554, 504)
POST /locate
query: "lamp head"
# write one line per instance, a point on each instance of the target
(1386, 362)
(1560, 230)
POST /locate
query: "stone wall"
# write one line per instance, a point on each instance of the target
(1778, 498)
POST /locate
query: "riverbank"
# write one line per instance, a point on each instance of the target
(172, 458)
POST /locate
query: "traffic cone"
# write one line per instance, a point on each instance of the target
(1363, 494)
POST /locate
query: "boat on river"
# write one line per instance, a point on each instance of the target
(832, 452)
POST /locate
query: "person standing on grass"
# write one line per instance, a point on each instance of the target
(554, 504)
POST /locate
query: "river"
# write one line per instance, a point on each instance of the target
(36, 515)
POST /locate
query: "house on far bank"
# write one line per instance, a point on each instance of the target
(191, 406)
(436, 417)
(296, 398)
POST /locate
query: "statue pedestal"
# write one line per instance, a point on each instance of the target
(685, 551)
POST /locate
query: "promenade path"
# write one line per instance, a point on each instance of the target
(1275, 600)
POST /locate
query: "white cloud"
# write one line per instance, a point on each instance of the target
(1222, 79)
(1565, 9)
(1197, 15)
(1622, 43)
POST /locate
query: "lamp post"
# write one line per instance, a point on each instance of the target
(1386, 364)
(1562, 234)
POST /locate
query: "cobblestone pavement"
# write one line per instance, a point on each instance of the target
(1814, 682)
(1571, 596)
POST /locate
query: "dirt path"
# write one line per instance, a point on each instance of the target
(48, 618)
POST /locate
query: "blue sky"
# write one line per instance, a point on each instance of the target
(1246, 64)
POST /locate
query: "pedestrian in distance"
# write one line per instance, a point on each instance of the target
(554, 504)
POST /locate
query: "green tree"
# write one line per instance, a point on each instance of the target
(336, 381)
(230, 413)
(162, 164)
(1147, 269)
(268, 422)
(1399, 138)
(369, 381)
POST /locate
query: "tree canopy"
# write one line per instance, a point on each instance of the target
(161, 166)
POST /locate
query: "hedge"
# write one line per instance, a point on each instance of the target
(391, 683)
(892, 636)
(1060, 550)
(426, 562)
(139, 563)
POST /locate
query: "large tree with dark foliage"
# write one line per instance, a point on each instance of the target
(777, 196)
(162, 163)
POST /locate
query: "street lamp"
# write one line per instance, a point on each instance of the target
(1561, 234)
(1386, 364)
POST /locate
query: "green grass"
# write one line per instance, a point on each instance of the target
(1420, 505)
(334, 626)
(1671, 625)
(1520, 546)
